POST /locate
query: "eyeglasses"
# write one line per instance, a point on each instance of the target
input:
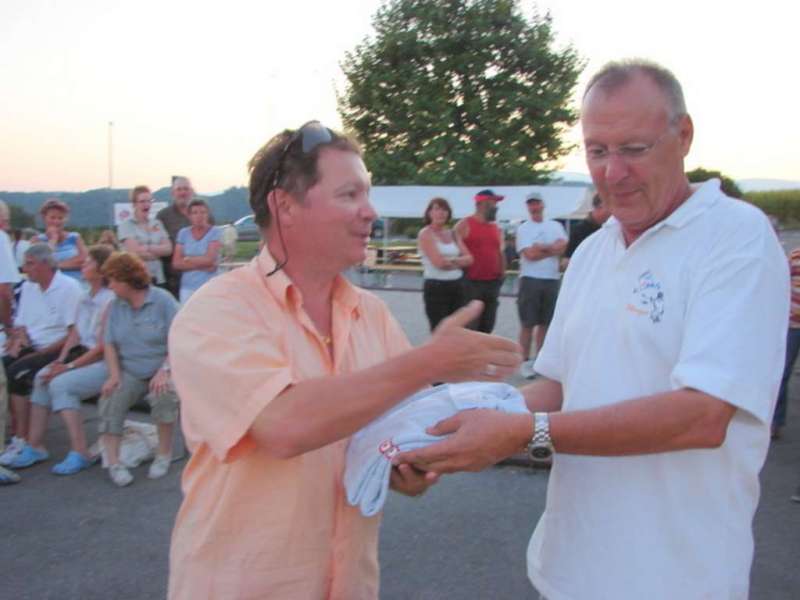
(596, 153)
(310, 135)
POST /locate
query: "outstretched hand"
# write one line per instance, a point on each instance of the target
(478, 438)
(459, 354)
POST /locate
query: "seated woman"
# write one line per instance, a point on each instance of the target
(144, 235)
(136, 358)
(197, 250)
(68, 246)
(77, 374)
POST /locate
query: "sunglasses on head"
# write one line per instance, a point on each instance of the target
(310, 135)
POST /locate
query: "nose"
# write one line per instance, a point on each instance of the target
(368, 212)
(616, 169)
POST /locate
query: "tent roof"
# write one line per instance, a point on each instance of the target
(560, 201)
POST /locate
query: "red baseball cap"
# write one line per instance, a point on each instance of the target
(487, 195)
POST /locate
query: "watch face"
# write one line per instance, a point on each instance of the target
(541, 453)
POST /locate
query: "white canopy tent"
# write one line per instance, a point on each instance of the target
(560, 201)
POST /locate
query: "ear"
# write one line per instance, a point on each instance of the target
(281, 206)
(686, 134)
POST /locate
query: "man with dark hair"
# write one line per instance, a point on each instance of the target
(659, 372)
(484, 240)
(593, 221)
(277, 363)
(540, 243)
(174, 218)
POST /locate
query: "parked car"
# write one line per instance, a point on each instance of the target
(247, 230)
(378, 228)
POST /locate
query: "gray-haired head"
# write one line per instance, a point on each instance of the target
(615, 74)
(5, 213)
(180, 181)
(42, 253)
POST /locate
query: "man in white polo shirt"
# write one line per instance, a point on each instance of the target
(659, 372)
(539, 244)
(48, 305)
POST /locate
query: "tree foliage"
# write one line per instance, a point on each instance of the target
(19, 218)
(459, 92)
(729, 186)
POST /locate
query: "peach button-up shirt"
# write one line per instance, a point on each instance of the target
(252, 526)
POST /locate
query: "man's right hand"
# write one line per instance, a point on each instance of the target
(459, 354)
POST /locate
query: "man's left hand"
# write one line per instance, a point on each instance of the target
(410, 481)
(479, 438)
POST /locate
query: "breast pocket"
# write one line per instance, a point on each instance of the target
(152, 331)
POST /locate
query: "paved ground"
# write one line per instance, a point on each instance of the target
(80, 538)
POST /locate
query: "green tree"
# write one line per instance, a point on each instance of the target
(460, 92)
(729, 186)
(20, 218)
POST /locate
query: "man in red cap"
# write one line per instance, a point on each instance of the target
(484, 240)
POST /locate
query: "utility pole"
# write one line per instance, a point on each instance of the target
(110, 155)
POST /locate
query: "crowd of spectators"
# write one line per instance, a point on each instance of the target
(92, 323)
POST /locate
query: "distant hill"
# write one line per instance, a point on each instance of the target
(94, 208)
(767, 185)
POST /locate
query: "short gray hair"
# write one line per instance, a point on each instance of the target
(5, 213)
(615, 74)
(42, 253)
(180, 179)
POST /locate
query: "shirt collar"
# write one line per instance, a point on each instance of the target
(704, 196)
(56, 283)
(148, 299)
(288, 294)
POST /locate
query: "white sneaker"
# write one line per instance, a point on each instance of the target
(11, 451)
(526, 370)
(159, 467)
(120, 475)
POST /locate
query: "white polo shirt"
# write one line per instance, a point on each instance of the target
(9, 273)
(46, 315)
(530, 232)
(699, 301)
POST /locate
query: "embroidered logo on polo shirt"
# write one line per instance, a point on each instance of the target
(388, 449)
(648, 298)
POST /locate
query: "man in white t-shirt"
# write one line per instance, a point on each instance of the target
(659, 372)
(48, 305)
(9, 275)
(539, 244)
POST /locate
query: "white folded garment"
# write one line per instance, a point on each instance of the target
(402, 428)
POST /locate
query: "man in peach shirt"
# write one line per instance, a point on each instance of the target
(277, 364)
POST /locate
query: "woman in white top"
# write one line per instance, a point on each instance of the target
(443, 257)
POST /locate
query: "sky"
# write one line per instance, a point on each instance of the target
(196, 88)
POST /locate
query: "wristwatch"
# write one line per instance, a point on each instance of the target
(540, 448)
